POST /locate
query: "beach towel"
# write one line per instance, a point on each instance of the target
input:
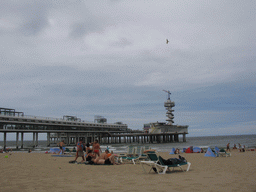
(62, 155)
(86, 163)
(56, 150)
(209, 153)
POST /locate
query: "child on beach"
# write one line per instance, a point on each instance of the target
(61, 145)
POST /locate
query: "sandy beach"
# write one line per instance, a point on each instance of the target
(41, 172)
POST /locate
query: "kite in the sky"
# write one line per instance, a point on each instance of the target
(167, 41)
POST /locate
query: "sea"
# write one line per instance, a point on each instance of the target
(203, 142)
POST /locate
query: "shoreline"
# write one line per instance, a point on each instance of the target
(202, 142)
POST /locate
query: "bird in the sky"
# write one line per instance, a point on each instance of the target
(167, 41)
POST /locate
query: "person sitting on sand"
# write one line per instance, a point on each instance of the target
(96, 147)
(61, 145)
(87, 148)
(79, 151)
(177, 151)
(242, 149)
(234, 146)
(111, 153)
(90, 156)
(104, 159)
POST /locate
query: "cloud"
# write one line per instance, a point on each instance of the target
(111, 58)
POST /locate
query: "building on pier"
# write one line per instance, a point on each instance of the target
(167, 127)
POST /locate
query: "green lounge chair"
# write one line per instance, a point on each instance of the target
(223, 153)
(135, 156)
(140, 155)
(129, 155)
(158, 166)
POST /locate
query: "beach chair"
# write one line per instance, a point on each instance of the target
(156, 164)
(223, 153)
(147, 148)
(141, 156)
(67, 151)
(129, 155)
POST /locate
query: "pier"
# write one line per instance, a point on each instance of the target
(71, 129)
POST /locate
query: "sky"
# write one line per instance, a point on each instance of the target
(110, 58)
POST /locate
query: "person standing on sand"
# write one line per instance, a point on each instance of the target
(96, 147)
(228, 149)
(79, 151)
(61, 145)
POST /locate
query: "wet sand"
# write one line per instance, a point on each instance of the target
(41, 172)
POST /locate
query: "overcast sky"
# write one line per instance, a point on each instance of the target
(110, 58)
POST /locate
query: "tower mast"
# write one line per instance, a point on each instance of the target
(169, 105)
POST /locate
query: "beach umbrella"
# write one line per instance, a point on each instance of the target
(209, 153)
(217, 150)
(172, 151)
(196, 150)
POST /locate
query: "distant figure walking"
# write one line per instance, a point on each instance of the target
(61, 145)
(228, 148)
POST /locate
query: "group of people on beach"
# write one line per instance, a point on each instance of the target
(5, 150)
(240, 147)
(94, 155)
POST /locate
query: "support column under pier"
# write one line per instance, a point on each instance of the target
(176, 138)
(171, 138)
(184, 137)
(4, 140)
(36, 139)
(34, 135)
(22, 138)
(48, 139)
(17, 140)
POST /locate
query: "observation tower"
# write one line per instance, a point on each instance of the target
(169, 105)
